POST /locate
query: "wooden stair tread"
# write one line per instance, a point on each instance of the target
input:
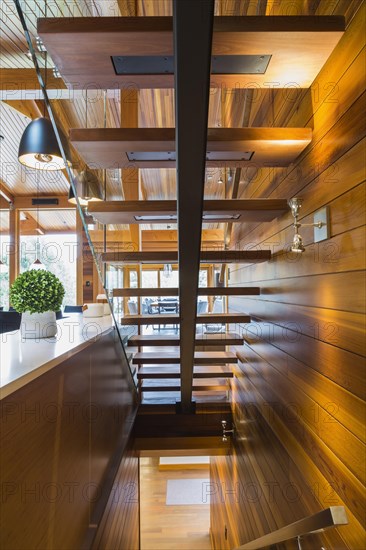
(167, 257)
(173, 318)
(200, 357)
(309, 38)
(173, 371)
(202, 291)
(218, 210)
(161, 385)
(221, 339)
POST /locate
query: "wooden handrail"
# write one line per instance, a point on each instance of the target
(330, 517)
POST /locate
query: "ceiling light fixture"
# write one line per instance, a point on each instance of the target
(37, 264)
(39, 149)
(72, 199)
(88, 186)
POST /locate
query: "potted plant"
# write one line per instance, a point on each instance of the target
(37, 294)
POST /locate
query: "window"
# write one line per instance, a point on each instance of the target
(4, 257)
(57, 253)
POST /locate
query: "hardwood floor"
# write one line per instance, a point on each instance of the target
(170, 527)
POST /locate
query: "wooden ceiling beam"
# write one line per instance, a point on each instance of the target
(127, 8)
(30, 226)
(28, 108)
(25, 81)
(22, 202)
(5, 193)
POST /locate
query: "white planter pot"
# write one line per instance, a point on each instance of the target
(38, 325)
(93, 310)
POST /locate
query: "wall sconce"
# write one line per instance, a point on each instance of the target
(321, 225)
(225, 431)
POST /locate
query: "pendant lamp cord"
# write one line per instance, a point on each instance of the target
(45, 64)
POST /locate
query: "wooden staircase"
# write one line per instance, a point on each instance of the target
(220, 339)
(172, 357)
(157, 356)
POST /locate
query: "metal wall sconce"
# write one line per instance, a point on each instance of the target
(225, 432)
(321, 225)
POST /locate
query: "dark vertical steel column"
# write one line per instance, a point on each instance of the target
(193, 23)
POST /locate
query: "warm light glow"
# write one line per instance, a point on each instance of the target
(42, 162)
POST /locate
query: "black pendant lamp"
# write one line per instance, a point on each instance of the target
(39, 149)
(88, 186)
(72, 199)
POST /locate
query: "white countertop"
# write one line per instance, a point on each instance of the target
(21, 361)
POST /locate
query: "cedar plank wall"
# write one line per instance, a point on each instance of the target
(297, 397)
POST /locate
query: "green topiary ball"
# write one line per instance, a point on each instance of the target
(36, 291)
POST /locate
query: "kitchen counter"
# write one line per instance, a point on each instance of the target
(22, 361)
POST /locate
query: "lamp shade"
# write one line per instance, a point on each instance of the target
(88, 186)
(39, 149)
(72, 199)
(297, 245)
(37, 264)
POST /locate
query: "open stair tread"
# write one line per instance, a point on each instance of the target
(171, 257)
(218, 210)
(173, 318)
(173, 371)
(309, 38)
(220, 339)
(166, 385)
(202, 291)
(200, 357)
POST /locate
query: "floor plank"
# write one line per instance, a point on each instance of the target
(170, 527)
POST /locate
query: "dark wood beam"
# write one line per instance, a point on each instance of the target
(192, 51)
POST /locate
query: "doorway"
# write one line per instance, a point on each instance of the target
(174, 503)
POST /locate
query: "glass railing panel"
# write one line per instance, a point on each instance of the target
(67, 108)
